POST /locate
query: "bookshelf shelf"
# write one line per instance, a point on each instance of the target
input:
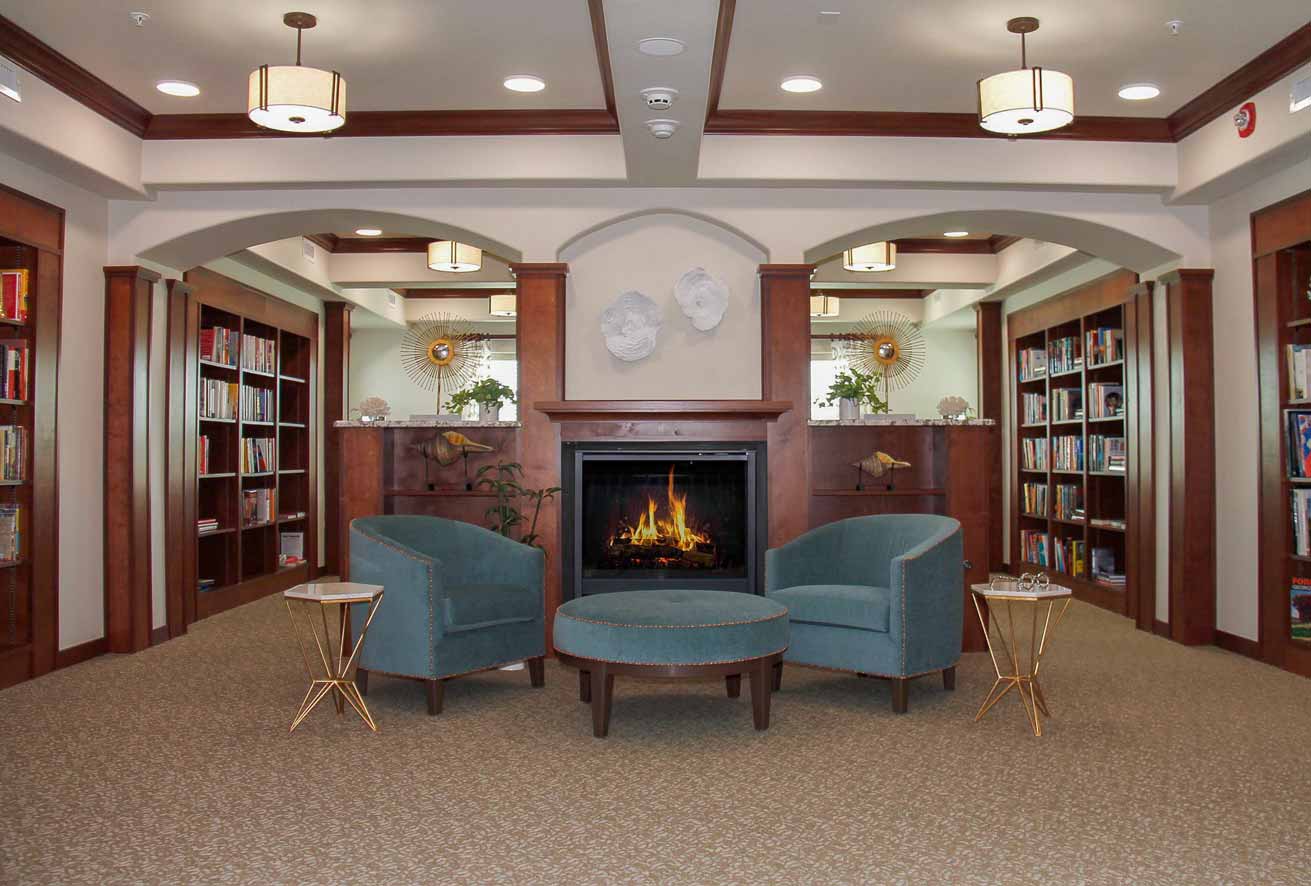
(1113, 363)
(214, 364)
(258, 424)
(1297, 324)
(247, 474)
(1067, 421)
(13, 402)
(220, 531)
(1106, 418)
(5, 321)
(220, 421)
(1065, 522)
(292, 424)
(256, 372)
(13, 482)
(292, 471)
(12, 564)
(249, 526)
(292, 379)
(1068, 373)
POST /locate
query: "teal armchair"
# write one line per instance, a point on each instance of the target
(878, 596)
(457, 599)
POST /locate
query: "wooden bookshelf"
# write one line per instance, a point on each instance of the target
(260, 447)
(1281, 249)
(1056, 497)
(31, 239)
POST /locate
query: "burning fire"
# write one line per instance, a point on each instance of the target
(671, 532)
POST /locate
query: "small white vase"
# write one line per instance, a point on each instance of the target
(489, 413)
(848, 409)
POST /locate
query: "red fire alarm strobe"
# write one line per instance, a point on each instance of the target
(1245, 120)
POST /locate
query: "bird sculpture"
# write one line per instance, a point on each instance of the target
(446, 449)
(878, 465)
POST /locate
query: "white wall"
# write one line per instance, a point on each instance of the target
(375, 371)
(81, 399)
(649, 254)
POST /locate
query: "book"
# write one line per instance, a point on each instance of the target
(1067, 404)
(291, 548)
(1033, 454)
(1106, 454)
(218, 399)
(1103, 566)
(258, 354)
(13, 293)
(257, 455)
(1033, 546)
(1068, 502)
(1105, 400)
(1300, 609)
(1033, 364)
(1299, 443)
(1034, 499)
(13, 453)
(1067, 453)
(11, 533)
(256, 403)
(13, 369)
(256, 507)
(219, 345)
(1104, 345)
(1301, 503)
(1035, 409)
(1063, 355)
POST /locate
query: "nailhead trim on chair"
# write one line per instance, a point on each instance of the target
(672, 664)
(427, 561)
(718, 624)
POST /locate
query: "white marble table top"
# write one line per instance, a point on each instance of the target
(334, 592)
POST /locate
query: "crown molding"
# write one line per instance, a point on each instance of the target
(818, 289)
(595, 9)
(374, 245)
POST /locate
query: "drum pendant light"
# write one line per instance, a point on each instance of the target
(1027, 100)
(295, 98)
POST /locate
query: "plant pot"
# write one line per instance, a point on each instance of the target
(848, 409)
(488, 412)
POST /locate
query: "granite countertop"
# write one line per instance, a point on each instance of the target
(426, 423)
(904, 423)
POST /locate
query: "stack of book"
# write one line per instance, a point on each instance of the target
(207, 524)
(206, 584)
(11, 533)
(13, 369)
(1105, 400)
(256, 455)
(1033, 453)
(1106, 453)
(1071, 556)
(219, 345)
(1067, 404)
(1106, 523)
(1103, 567)
(1035, 499)
(1067, 453)
(1033, 364)
(13, 453)
(1104, 345)
(1063, 355)
(218, 399)
(1069, 502)
(256, 404)
(257, 507)
(1033, 546)
(258, 354)
(1035, 409)
(13, 294)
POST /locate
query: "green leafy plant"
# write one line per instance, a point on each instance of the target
(852, 384)
(486, 392)
(504, 480)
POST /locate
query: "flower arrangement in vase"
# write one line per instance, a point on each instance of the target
(850, 389)
(488, 393)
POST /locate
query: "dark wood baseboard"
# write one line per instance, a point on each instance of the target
(66, 658)
(159, 635)
(1236, 644)
(1161, 628)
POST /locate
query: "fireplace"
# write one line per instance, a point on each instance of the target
(652, 515)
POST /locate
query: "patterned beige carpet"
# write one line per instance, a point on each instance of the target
(1163, 765)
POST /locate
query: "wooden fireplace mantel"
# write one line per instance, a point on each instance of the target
(657, 410)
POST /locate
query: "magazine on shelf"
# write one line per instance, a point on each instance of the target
(1300, 606)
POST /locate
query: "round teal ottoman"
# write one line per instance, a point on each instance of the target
(672, 633)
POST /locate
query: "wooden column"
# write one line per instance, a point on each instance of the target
(1140, 481)
(336, 386)
(128, 293)
(785, 364)
(989, 348)
(540, 328)
(179, 455)
(969, 500)
(359, 492)
(1191, 427)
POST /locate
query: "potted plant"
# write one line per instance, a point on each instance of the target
(488, 393)
(849, 390)
(503, 480)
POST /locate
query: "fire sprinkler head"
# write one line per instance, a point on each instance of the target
(662, 128)
(1174, 26)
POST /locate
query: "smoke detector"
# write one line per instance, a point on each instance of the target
(1174, 26)
(659, 98)
(139, 18)
(662, 128)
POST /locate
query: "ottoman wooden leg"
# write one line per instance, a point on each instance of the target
(584, 686)
(602, 690)
(733, 682)
(536, 673)
(778, 675)
(762, 682)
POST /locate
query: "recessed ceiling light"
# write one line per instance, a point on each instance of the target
(180, 88)
(802, 83)
(661, 46)
(524, 83)
(369, 232)
(956, 234)
(1139, 92)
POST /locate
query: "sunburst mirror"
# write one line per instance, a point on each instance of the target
(889, 344)
(442, 352)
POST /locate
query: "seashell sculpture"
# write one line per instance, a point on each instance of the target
(702, 298)
(374, 409)
(953, 407)
(448, 448)
(879, 463)
(630, 326)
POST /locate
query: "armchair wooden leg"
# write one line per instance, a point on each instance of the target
(436, 694)
(778, 675)
(362, 681)
(733, 682)
(584, 686)
(900, 695)
(949, 678)
(536, 672)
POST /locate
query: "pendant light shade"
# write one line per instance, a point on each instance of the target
(824, 307)
(1027, 100)
(879, 256)
(456, 258)
(295, 98)
(503, 305)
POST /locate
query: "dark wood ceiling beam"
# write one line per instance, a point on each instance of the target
(70, 78)
(326, 242)
(934, 246)
(998, 242)
(913, 124)
(719, 58)
(383, 124)
(871, 293)
(456, 293)
(596, 10)
(374, 245)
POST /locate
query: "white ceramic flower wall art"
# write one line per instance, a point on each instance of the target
(702, 298)
(631, 325)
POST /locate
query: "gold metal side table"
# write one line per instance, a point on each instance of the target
(1014, 670)
(338, 667)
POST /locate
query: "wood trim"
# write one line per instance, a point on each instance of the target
(818, 289)
(998, 242)
(1191, 426)
(30, 221)
(1161, 628)
(1239, 645)
(1281, 225)
(660, 410)
(989, 348)
(383, 124)
(127, 561)
(934, 246)
(374, 245)
(1104, 292)
(70, 78)
(596, 11)
(793, 270)
(159, 635)
(336, 388)
(970, 492)
(539, 269)
(785, 368)
(1261, 72)
(326, 242)
(179, 456)
(1140, 422)
(74, 655)
(44, 574)
(456, 293)
(719, 56)
(229, 295)
(923, 125)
